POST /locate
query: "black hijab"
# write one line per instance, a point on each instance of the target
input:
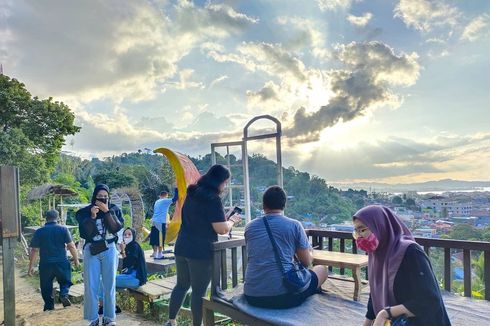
(84, 213)
(135, 258)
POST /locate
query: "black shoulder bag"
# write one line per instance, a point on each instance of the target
(96, 247)
(298, 278)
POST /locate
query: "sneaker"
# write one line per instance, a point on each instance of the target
(94, 322)
(108, 322)
(158, 255)
(101, 310)
(118, 309)
(65, 301)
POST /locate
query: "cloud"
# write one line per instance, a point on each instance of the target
(305, 33)
(218, 80)
(400, 159)
(371, 70)
(476, 28)
(333, 5)
(209, 122)
(111, 134)
(425, 15)
(270, 92)
(185, 81)
(360, 21)
(289, 83)
(108, 49)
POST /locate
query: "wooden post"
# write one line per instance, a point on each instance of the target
(10, 219)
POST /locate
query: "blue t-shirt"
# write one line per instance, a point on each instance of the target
(51, 240)
(263, 277)
(160, 210)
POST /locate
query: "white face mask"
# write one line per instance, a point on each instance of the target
(128, 239)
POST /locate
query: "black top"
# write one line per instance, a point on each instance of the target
(135, 260)
(416, 287)
(196, 233)
(51, 240)
(92, 229)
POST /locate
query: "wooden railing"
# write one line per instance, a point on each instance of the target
(319, 237)
(219, 279)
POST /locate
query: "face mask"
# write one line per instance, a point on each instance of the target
(368, 244)
(103, 200)
(128, 239)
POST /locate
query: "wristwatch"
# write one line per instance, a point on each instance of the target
(388, 310)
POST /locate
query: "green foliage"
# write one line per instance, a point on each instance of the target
(397, 200)
(115, 179)
(465, 232)
(32, 131)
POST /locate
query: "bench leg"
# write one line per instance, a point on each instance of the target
(356, 273)
(140, 307)
(208, 316)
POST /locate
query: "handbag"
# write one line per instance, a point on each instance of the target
(298, 278)
(97, 247)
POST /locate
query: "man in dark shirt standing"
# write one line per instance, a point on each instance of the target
(50, 241)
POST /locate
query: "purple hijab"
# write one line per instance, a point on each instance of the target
(394, 239)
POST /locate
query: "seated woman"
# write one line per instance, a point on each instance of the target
(133, 273)
(403, 286)
(264, 285)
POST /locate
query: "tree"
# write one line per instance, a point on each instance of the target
(397, 200)
(32, 131)
(115, 179)
(410, 203)
(465, 232)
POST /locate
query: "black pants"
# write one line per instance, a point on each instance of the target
(47, 273)
(193, 273)
(155, 236)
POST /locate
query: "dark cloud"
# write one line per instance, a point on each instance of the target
(267, 93)
(371, 70)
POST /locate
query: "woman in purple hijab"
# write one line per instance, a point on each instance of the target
(403, 286)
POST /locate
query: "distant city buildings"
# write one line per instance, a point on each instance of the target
(442, 207)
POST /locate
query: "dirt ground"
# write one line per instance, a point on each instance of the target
(29, 309)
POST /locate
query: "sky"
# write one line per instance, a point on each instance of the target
(366, 90)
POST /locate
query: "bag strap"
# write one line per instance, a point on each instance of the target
(274, 245)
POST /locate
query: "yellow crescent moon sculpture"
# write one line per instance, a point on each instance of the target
(186, 174)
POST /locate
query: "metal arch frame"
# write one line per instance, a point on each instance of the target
(243, 144)
(245, 139)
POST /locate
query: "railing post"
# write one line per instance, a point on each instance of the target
(330, 248)
(224, 270)
(314, 241)
(467, 272)
(342, 249)
(234, 267)
(486, 273)
(447, 269)
(215, 280)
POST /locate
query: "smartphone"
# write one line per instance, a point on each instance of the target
(236, 210)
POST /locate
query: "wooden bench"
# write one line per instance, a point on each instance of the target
(218, 301)
(343, 260)
(151, 292)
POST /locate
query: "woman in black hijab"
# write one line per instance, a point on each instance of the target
(134, 272)
(99, 223)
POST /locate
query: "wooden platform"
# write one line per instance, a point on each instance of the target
(159, 265)
(343, 260)
(75, 294)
